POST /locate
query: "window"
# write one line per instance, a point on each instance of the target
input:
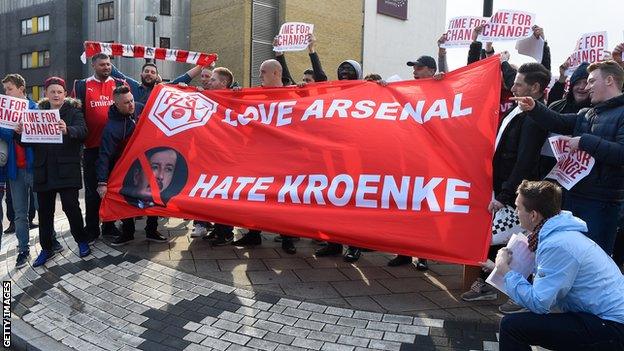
(35, 92)
(106, 11)
(165, 7)
(165, 43)
(36, 59)
(36, 25)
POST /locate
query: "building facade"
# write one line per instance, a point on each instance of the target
(124, 21)
(41, 38)
(241, 32)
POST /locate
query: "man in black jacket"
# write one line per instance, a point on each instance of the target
(518, 144)
(122, 118)
(599, 131)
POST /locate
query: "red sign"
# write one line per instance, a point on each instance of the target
(404, 168)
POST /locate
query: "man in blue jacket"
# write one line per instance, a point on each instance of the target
(574, 277)
(599, 131)
(122, 119)
(19, 174)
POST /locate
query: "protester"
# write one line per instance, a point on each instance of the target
(122, 118)
(372, 77)
(19, 174)
(617, 54)
(204, 77)
(315, 74)
(516, 157)
(423, 67)
(270, 77)
(221, 234)
(574, 277)
(95, 94)
(57, 171)
(150, 77)
(597, 198)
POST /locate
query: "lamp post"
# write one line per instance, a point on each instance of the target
(487, 7)
(152, 19)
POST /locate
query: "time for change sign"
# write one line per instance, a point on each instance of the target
(11, 110)
(41, 126)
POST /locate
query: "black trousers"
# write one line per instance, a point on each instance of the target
(560, 331)
(71, 207)
(92, 198)
(128, 228)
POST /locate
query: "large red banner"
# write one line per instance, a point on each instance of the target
(404, 168)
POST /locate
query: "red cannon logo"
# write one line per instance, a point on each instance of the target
(178, 111)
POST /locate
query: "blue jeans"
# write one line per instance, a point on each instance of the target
(601, 218)
(560, 331)
(21, 188)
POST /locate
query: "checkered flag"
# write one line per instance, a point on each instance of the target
(504, 224)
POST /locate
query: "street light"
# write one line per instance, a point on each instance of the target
(152, 19)
(487, 8)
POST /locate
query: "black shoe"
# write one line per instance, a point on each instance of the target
(122, 240)
(22, 259)
(32, 225)
(353, 254)
(221, 240)
(10, 229)
(288, 246)
(422, 265)
(400, 260)
(156, 237)
(111, 231)
(248, 239)
(331, 249)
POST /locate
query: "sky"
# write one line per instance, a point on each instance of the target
(563, 23)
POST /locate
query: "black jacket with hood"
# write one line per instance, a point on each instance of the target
(57, 166)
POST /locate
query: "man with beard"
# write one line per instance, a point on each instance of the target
(122, 118)
(96, 95)
(150, 77)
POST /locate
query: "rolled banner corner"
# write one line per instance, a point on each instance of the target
(83, 57)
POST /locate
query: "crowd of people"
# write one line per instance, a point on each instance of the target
(577, 235)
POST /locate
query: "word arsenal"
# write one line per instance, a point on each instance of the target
(281, 113)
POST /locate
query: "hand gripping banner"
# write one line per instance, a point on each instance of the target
(405, 168)
(93, 48)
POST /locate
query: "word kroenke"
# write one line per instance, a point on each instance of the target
(364, 191)
(281, 113)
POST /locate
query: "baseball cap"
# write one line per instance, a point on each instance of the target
(426, 61)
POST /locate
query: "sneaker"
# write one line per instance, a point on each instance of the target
(43, 257)
(198, 231)
(480, 291)
(32, 225)
(222, 240)
(422, 265)
(331, 249)
(22, 259)
(288, 246)
(57, 247)
(510, 307)
(400, 260)
(352, 254)
(83, 249)
(252, 239)
(10, 229)
(155, 237)
(121, 240)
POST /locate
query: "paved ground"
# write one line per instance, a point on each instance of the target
(187, 295)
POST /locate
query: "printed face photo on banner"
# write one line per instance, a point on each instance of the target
(155, 178)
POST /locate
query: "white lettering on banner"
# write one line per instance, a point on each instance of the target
(571, 167)
(374, 191)
(282, 112)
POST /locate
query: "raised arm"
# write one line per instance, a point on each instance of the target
(319, 74)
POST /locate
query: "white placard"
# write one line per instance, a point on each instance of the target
(571, 167)
(590, 47)
(41, 126)
(508, 25)
(293, 36)
(522, 261)
(459, 31)
(11, 111)
(531, 46)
